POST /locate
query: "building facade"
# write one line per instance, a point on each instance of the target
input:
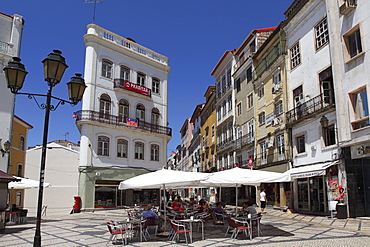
(123, 121)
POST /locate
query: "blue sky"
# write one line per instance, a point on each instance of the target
(194, 34)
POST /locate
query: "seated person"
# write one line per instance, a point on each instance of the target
(149, 213)
(217, 218)
(178, 207)
(174, 203)
(15, 208)
(250, 209)
(244, 207)
(202, 207)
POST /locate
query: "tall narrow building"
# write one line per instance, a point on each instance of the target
(123, 121)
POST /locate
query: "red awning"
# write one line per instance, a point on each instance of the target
(6, 178)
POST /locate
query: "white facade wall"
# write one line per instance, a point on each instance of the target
(61, 171)
(11, 28)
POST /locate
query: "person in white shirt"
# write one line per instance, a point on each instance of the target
(263, 200)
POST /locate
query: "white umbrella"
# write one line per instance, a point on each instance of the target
(25, 183)
(170, 178)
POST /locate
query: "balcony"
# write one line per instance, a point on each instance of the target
(347, 7)
(244, 57)
(224, 144)
(123, 84)
(310, 108)
(244, 141)
(271, 157)
(119, 121)
(223, 91)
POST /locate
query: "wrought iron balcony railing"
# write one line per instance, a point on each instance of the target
(271, 156)
(224, 144)
(244, 141)
(309, 108)
(100, 117)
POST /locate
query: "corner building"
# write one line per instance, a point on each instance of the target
(123, 121)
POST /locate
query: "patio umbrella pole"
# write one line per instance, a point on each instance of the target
(236, 203)
(164, 233)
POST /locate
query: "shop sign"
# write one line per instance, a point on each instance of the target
(308, 174)
(360, 151)
(137, 88)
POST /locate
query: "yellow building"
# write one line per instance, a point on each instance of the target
(18, 156)
(208, 131)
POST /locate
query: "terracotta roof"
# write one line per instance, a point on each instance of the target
(5, 177)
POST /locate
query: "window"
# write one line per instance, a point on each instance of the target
(213, 132)
(103, 145)
(140, 79)
(277, 78)
(352, 40)
(360, 109)
(155, 85)
(106, 70)
(140, 112)
(22, 143)
(250, 125)
(155, 116)
(239, 109)
(154, 152)
(321, 33)
(223, 82)
(261, 92)
(295, 56)
(123, 110)
(298, 95)
(301, 144)
(122, 146)
(230, 103)
(125, 73)
(279, 108)
(104, 108)
(263, 150)
(250, 100)
(237, 86)
(280, 143)
(224, 108)
(261, 118)
(20, 170)
(329, 135)
(228, 78)
(139, 150)
(249, 74)
(219, 112)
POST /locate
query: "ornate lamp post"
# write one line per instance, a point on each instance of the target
(54, 67)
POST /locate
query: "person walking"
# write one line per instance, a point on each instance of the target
(263, 200)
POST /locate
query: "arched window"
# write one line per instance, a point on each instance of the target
(20, 170)
(155, 116)
(104, 108)
(125, 73)
(140, 79)
(122, 147)
(154, 152)
(140, 112)
(139, 150)
(103, 145)
(106, 69)
(22, 143)
(123, 110)
(19, 198)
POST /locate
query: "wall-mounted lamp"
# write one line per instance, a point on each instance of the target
(6, 148)
(324, 121)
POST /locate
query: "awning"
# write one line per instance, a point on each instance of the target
(6, 178)
(311, 170)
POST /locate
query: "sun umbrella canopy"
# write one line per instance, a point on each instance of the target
(238, 176)
(169, 178)
(25, 183)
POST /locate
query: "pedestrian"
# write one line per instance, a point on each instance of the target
(263, 200)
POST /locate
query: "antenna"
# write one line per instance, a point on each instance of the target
(65, 136)
(93, 1)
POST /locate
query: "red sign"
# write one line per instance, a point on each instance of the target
(131, 122)
(250, 163)
(137, 88)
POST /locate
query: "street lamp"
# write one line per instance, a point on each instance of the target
(54, 67)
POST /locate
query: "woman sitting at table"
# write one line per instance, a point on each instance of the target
(148, 213)
(202, 207)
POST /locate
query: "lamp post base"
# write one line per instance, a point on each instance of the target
(37, 241)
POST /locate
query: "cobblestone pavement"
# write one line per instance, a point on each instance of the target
(279, 229)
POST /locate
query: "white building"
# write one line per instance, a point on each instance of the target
(11, 28)
(62, 161)
(123, 122)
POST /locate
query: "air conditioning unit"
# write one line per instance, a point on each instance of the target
(275, 121)
(347, 6)
(269, 144)
(275, 88)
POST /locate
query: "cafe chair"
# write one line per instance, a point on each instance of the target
(142, 229)
(151, 222)
(114, 231)
(23, 216)
(256, 223)
(177, 229)
(237, 226)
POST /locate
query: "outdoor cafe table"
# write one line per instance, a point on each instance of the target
(191, 220)
(129, 224)
(249, 219)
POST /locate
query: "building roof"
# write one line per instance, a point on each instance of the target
(5, 177)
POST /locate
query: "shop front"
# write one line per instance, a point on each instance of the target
(315, 186)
